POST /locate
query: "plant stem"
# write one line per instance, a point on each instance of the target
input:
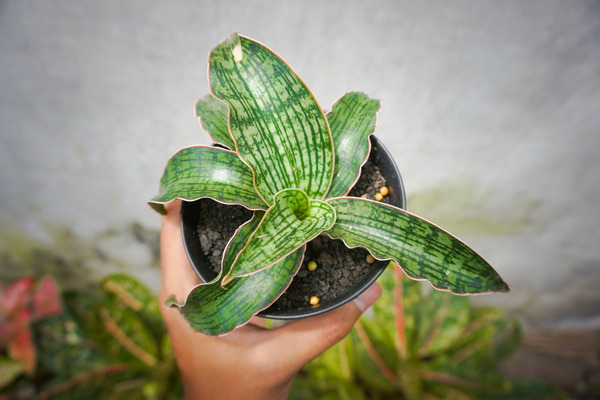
(385, 370)
(399, 311)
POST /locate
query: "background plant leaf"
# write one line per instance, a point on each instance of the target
(441, 312)
(80, 359)
(124, 335)
(15, 295)
(465, 367)
(423, 250)
(441, 374)
(490, 336)
(130, 293)
(207, 172)
(293, 220)
(9, 370)
(279, 128)
(46, 298)
(203, 308)
(352, 120)
(20, 343)
(214, 115)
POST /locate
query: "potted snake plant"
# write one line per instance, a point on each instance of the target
(292, 166)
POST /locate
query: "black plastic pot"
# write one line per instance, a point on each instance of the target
(191, 222)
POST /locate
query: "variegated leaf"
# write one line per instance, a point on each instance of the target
(423, 250)
(205, 308)
(279, 128)
(352, 120)
(214, 116)
(292, 221)
(207, 172)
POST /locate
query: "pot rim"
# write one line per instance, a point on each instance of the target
(389, 169)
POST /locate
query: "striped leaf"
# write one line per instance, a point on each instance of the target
(207, 172)
(279, 128)
(131, 293)
(423, 250)
(443, 319)
(292, 221)
(352, 120)
(214, 116)
(122, 334)
(215, 310)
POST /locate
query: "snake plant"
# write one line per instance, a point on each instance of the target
(283, 158)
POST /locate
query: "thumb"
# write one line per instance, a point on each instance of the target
(305, 339)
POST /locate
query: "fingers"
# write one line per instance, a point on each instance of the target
(303, 340)
(178, 276)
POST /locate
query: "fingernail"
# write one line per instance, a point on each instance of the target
(368, 297)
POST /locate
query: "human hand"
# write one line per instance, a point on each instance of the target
(251, 362)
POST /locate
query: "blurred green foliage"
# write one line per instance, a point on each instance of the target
(415, 344)
(106, 344)
(111, 343)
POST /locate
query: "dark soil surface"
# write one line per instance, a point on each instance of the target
(219, 223)
(338, 267)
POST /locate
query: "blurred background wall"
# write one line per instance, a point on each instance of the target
(491, 109)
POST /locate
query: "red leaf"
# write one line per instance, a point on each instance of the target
(5, 331)
(15, 295)
(20, 347)
(12, 326)
(46, 299)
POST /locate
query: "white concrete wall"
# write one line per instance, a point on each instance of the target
(491, 108)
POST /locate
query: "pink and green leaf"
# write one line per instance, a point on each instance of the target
(20, 343)
(207, 172)
(442, 321)
(214, 116)
(279, 129)
(204, 307)
(292, 221)
(352, 120)
(421, 249)
(15, 295)
(46, 298)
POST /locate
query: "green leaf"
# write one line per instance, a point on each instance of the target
(215, 310)
(9, 370)
(423, 250)
(214, 115)
(487, 339)
(443, 318)
(407, 307)
(131, 292)
(293, 220)
(279, 128)
(64, 349)
(124, 336)
(207, 172)
(442, 376)
(352, 120)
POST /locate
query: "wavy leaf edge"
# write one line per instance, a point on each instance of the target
(171, 301)
(235, 35)
(223, 139)
(398, 264)
(159, 205)
(368, 140)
